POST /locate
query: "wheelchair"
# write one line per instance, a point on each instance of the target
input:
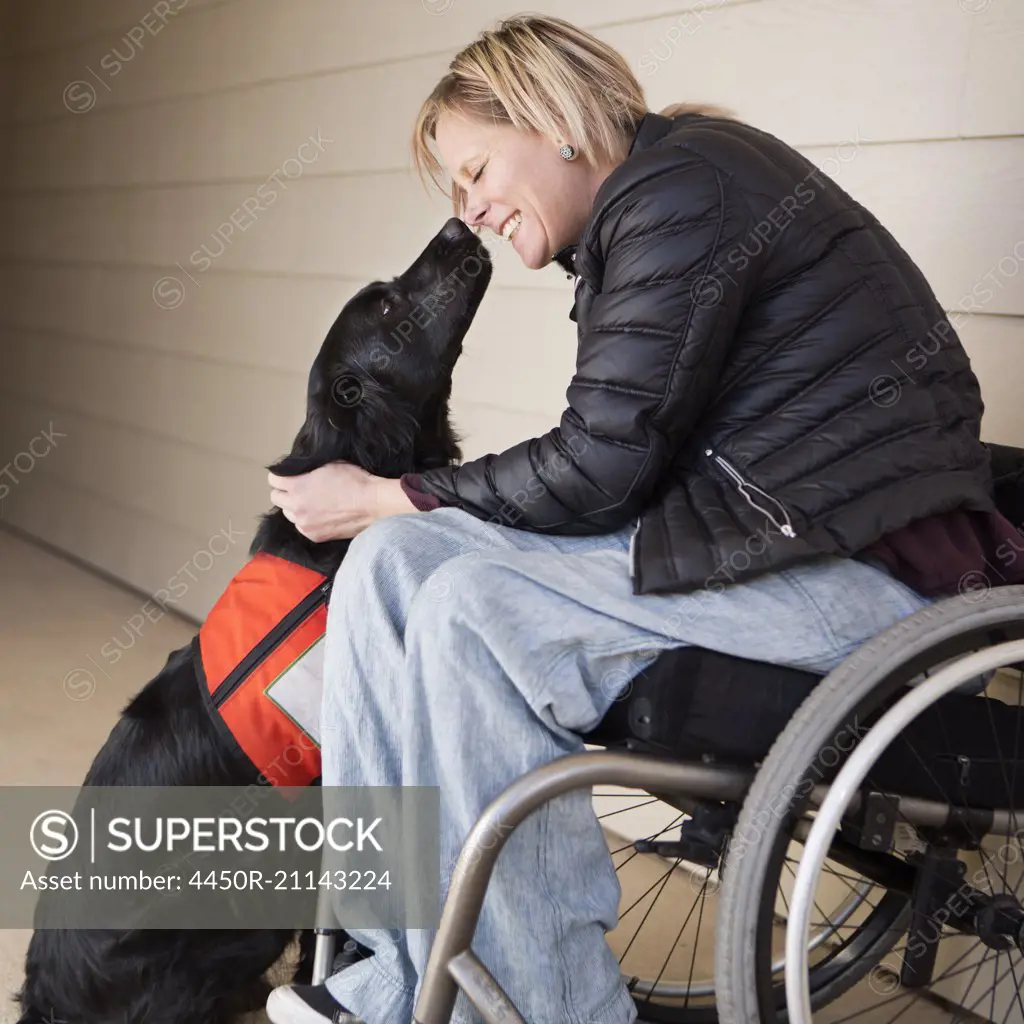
(847, 846)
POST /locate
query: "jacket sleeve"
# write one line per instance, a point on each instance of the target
(671, 277)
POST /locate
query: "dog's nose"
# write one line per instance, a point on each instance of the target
(455, 230)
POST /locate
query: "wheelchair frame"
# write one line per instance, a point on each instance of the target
(452, 964)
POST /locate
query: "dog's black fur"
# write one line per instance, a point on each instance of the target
(378, 396)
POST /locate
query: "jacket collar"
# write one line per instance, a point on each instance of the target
(650, 129)
(566, 259)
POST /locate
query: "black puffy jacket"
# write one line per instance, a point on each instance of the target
(763, 373)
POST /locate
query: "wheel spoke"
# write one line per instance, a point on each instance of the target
(876, 1006)
(996, 981)
(974, 978)
(693, 955)
(672, 949)
(624, 810)
(664, 881)
(995, 975)
(1002, 767)
(817, 906)
(1016, 994)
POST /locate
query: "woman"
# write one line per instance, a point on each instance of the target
(740, 466)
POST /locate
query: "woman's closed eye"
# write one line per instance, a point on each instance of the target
(476, 177)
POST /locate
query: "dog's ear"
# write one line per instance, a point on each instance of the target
(314, 445)
(295, 465)
(34, 1016)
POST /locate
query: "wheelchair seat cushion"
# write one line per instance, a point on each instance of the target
(692, 702)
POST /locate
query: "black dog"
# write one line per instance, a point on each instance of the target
(378, 396)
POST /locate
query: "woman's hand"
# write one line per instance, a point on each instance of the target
(336, 501)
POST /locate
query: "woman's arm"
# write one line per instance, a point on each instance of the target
(671, 287)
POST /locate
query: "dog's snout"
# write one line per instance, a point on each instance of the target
(455, 230)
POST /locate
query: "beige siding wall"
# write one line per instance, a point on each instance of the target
(6, 99)
(142, 131)
(6, 42)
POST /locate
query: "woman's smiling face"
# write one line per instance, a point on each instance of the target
(517, 185)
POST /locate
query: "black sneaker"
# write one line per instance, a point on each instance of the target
(307, 1004)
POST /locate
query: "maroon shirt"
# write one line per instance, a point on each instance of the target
(424, 502)
(958, 552)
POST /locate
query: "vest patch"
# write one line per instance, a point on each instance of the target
(298, 689)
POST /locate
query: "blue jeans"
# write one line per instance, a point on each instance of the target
(462, 654)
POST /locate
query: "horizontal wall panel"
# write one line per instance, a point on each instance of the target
(958, 209)
(994, 98)
(364, 227)
(51, 24)
(277, 323)
(52, 500)
(226, 46)
(34, 437)
(147, 554)
(220, 414)
(521, 347)
(787, 66)
(54, 590)
(186, 140)
(995, 345)
(938, 199)
(683, 57)
(215, 411)
(520, 353)
(7, 147)
(174, 483)
(235, 411)
(486, 429)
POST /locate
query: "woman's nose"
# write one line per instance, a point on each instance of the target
(476, 211)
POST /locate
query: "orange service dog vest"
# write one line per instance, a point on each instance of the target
(259, 656)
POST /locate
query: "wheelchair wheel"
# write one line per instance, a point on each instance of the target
(934, 825)
(670, 881)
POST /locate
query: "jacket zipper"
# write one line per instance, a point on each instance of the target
(745, 487)
(632, 549)
(273, 639)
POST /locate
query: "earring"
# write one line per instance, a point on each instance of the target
(567, 152)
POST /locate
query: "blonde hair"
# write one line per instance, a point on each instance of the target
(544, 75)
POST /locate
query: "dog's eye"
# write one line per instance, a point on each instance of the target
(386, 307)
